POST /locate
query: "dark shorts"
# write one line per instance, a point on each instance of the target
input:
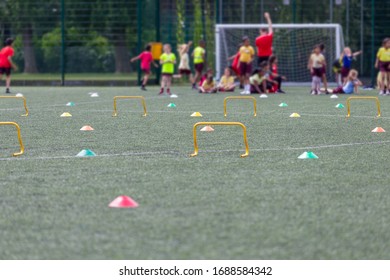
(254, 90)
(146, 71)
(199, 67)
(245, 68)
(260, 59)
(6, 71)
(384, 66)
(344, 72)
(184, 71)
(338, 90)
(317, 72)
(167, 75)
(323, 70)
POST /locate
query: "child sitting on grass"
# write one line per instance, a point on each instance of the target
(273, 67)
(204, 76)
(257, 81)
(226, 84)
(208, 85)
(351, 84)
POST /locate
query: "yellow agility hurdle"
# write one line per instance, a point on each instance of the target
(19, 137)
(18, 97)
(129, 97)
(240, 97)
(220, 123)
(378, 105)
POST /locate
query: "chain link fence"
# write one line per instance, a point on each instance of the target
(94, 39)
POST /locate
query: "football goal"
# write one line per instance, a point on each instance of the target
(292, 44)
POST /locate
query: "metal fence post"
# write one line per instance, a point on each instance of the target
(63, 42)
(139, 35)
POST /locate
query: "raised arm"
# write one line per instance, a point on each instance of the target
(356, 53)
(269, 21)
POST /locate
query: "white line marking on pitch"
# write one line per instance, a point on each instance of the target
(205, 151)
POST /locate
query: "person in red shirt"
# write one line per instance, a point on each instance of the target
(274, 75)
(264, 41)
(235, 64)
(6, 63)
(146, 59)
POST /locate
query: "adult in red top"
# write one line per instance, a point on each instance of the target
(264, 41)
(6, 62)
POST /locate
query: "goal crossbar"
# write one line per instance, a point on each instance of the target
(218, 40)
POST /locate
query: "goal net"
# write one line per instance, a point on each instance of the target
(292, 44)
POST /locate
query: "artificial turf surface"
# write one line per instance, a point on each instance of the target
(217, 205)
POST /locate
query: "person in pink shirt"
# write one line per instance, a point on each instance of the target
(264, 41)
(6, 63)
(146, 59)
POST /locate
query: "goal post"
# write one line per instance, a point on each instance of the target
(292, 44)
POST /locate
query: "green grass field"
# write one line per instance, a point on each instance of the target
(217, 205)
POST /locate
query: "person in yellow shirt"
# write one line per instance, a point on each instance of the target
(208, 85)
(246, 57)
(316, 65)
(199, 55)
(168, 61)
(383, 63)
(226, 84)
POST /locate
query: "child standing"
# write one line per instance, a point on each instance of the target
(316, 65)
(168, 61)
(208, 85)
(146, 59)
(226, 83)
(6, 63)
(246, 57)
(347, 58)
(184, 65)
(273, 67)
(199, 55)
(351, 85)
(383, 63)
(235, 65)
(323, 78)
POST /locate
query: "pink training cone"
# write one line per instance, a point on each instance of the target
(207, 128)
(86, 128)
(378, 129)
(123, 202)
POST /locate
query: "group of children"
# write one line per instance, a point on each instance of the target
(342, 67)
(263, 79)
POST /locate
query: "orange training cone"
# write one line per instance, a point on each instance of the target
(86, 128)
(378, 129)
(123, 202)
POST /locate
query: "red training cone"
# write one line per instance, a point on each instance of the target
(378, 129)
(123, 202)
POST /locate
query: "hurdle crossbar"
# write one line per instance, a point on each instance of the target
(19, 137)
(240, 97)
(18, 97)
(196, 150)
(129, 97)
(378, 105)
